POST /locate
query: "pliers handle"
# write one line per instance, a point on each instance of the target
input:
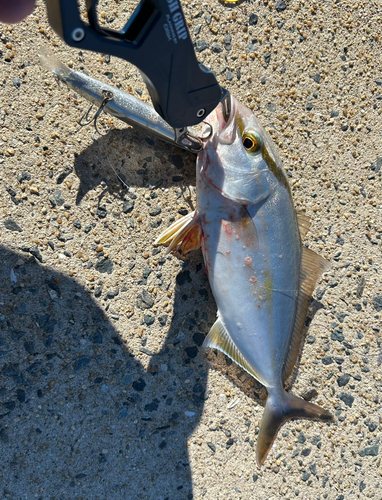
(156, 40)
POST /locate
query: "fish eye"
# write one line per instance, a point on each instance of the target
(251, 141)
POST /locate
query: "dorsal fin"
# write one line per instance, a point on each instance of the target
(312, 266)
(219, 338)
(303, 222)
(184, 234)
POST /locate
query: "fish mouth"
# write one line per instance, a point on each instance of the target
(223, 130)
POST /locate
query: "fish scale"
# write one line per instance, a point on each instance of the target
(261, 276)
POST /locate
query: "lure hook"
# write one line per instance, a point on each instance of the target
(85, 119)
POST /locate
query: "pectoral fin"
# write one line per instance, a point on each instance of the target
(219, 338)
(184, 234)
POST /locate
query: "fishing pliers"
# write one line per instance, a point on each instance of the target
(156, 40)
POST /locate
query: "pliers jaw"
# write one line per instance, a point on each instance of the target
(187, 138)
(226, 103)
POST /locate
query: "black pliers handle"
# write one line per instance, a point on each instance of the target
(156, 40)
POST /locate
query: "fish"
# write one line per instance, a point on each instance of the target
(261, 275)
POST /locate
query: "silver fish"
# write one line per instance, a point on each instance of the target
(261, 275)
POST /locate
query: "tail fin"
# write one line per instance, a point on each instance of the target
(279, 409)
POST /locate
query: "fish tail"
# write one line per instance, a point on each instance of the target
(280, 408)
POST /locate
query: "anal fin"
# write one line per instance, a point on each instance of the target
(219, 338)
(184, 234)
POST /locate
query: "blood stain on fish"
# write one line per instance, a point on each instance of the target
(227, 228)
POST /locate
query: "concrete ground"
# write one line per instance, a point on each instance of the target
(105, 391)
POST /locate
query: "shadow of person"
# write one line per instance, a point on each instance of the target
(80, 417)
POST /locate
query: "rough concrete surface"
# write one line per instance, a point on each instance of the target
(105, 391)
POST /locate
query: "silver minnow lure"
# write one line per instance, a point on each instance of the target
(261, 276)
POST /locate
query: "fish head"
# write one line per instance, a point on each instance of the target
(239, 158)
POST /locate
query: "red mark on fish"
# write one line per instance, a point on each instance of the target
(227, 228)
(248, 261)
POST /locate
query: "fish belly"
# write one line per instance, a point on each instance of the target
(252, 256)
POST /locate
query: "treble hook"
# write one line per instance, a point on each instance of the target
(108, 96)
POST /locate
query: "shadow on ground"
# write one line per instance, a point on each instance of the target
(126, 158)
(79, 416)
